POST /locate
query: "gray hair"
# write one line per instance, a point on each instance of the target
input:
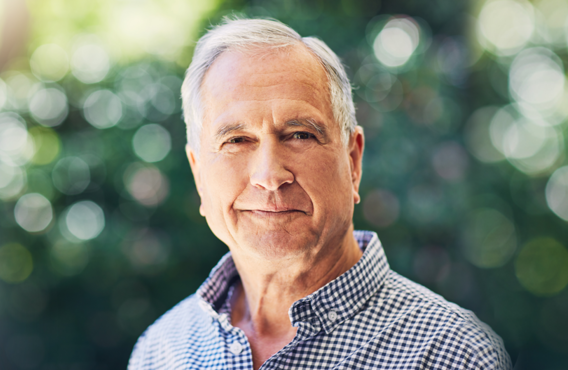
(244, 34)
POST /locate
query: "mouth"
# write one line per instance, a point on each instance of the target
(272, 214)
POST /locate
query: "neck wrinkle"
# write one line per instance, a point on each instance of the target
(265, 294)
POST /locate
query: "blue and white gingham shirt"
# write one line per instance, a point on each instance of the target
(368, 318)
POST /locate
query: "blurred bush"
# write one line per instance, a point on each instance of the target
(464, 107)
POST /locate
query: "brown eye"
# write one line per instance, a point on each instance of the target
(236, 140)
(302, 135)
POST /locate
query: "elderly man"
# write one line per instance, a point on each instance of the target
(276, 156)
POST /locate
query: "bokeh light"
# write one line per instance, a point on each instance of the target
(542, 266)
(16, 147)
(46, 145)
(159, 101)
(465, 114)
(396, 42)
(536, 78)
(49, 62)
(152, 143)
(530, 147)
(557, 192)
(90, 62)
(19, 85)
(33, 212)
(84, 220)
(384, 91)
(488, 238)
(506, 25)
(146, 184)
(102, 109)
(3, 93)
(16, 263)
(554, 14)
(12, 180)
(48, 106)
(478, 138)
(71, 175)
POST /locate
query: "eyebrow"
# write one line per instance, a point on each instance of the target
(308, 122)
(227, 129)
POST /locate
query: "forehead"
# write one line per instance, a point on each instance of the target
(290, 75)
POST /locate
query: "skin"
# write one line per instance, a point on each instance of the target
(277, 184)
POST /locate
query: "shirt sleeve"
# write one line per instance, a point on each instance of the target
(469, 347)
(138, 353)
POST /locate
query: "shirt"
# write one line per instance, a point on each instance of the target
(368, 318)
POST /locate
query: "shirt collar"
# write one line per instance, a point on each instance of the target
(215, 288)
(330, 305)
(344, 296)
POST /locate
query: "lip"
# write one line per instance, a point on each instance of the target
(280, 212)
(270, 208)
(264, 213)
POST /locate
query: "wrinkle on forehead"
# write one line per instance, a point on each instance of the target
(267, 75)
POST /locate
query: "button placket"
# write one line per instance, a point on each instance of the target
(236, 348)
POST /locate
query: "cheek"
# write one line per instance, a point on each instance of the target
(327, 180)
(223, 180)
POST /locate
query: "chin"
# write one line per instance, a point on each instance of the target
(278, 244)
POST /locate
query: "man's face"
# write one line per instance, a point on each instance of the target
(274, 176)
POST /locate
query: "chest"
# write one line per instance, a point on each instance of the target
(349, 347)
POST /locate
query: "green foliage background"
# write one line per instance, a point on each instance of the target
(83, 303)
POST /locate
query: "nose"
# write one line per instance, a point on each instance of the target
(268, 167)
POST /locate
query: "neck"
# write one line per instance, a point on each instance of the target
(269, 288)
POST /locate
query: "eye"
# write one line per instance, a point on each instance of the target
(302, 135)
(236, 140)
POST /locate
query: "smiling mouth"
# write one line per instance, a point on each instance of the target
(267, 213)
(288, 211)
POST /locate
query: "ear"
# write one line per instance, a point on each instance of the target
(194, 164)
(356, 147)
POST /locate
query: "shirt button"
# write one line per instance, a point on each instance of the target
(204, 306)
(235, 348)
(332, 315)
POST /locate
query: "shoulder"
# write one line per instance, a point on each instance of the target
(172, 338)
(443, 332)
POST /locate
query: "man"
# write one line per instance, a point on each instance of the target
(276, 156)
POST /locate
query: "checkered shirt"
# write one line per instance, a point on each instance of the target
(368, 318)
